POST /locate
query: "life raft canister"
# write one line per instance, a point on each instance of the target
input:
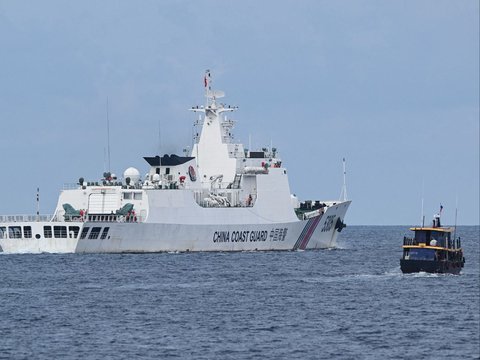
(191, 173)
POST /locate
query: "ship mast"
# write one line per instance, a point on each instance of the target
(211, 151)
(423, 216)
(343, 193)
(456, 212)
(108, 139)
(38, 204)
(207, 80)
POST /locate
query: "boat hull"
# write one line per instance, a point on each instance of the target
(430, 266)
(121, 237)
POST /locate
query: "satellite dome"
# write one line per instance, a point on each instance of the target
(133, 174)
(156, 178)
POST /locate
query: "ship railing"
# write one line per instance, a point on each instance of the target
(73, 186)
(409, 241)
(454, 243)
(113, 218)
(70, 186)
(24, 218)
(449, 244)
(221, 198)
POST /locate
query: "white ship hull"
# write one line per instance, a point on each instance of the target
(315, 233)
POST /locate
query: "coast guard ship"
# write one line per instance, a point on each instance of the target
(221, 197)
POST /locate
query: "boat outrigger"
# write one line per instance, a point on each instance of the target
(219, 197)
(433, 250)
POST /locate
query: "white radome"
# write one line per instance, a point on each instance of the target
(156, 178)
(133, 174)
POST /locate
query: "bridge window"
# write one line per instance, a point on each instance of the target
(60, 231)
(73, 231)
(27, 232)
(422, 236)
(47, 232)
(137, 196)
(104, 233)
(127, 195)
(3, 232)
(84, 232)
(94, 233)
(14, 232)
(422, 254)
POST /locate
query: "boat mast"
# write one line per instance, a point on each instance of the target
(456, 211)
(38, 204)
(437, 222)
(423, 215)
(108, 138)
(208, 87)
(159, 144)
(159, 139)
(343, 193)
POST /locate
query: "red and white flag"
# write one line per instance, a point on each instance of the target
(206, 79)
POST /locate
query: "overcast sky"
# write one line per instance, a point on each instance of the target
(392, 86)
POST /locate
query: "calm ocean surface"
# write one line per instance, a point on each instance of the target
(348, 303)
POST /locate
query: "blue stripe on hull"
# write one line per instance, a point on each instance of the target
(306, 233)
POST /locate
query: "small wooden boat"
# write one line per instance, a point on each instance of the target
(432, 250)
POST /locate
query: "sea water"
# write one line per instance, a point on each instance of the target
(351, 302)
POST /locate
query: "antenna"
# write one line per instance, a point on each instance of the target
(456, 211)
(104, 159)
(423, 216)
(38, 204)
(159, 139)
(343, 193)
(108, 138)
(207, 82)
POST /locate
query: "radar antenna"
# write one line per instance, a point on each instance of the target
(211, 95)
(212, 108)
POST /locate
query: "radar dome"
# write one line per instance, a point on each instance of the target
(133, 174)
(156, 178)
